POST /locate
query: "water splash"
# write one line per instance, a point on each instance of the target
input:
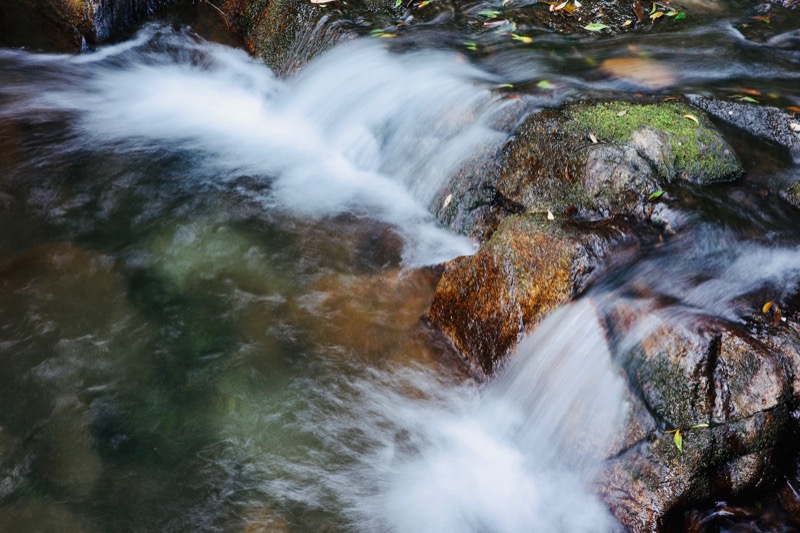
(405, 451)
(359, 130)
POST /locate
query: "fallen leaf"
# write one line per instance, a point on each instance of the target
(626, 23)
(595, 26)
(561, 6)
(762, 18)
(621, 113)
(592, 138)
(654, 8)
(447, 201)
(550, 215)
(657, 15)
(766, 307)
(793, 109)
(638, 11)
(522, 38)
(680, 16)
(322, 1)
(544, 84)
(469, 45)
(678, 440)
(578, 4)
(777, 315)
(488, 13)
(751, 92)
(692, 118)
(655, 195)
(795, 127)
(745, 98)
(699, 426)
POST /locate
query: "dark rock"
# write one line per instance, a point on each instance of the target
(764, 122)
(69, 25)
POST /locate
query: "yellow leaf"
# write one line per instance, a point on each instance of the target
(656, 15)
(627, 23)
(678, 440)
(592, 138)
(550, 215)
(767, 306)
(692, 118)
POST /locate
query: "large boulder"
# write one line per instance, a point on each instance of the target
(594, 160)
(729, 394)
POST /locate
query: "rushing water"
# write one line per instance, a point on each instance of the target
(211, 279)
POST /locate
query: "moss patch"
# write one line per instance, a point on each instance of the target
(700, 153)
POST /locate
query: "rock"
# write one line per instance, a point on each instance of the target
(530, 266)
(792, 194)
(552, 164)
(69, 25)
(764, 122)
(287, 34)
(688, 374)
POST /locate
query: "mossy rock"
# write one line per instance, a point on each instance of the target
(727, 392)
(792, 194)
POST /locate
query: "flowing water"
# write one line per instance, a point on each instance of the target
(211, 281)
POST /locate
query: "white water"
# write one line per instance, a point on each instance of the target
(361, 129)
(408, 452)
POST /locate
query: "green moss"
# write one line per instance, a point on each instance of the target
(700, 152)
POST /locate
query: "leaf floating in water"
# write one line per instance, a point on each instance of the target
(655, 195)
(692, 118)
(470, 45)
(595, 26)
(766, 307)
(522, 38)
(793, 109)
(639, 71)
(680, 16)
(544, 84)
(550, 215)
(745, 98)
(677, 438)
(762, 18)
(489, 13)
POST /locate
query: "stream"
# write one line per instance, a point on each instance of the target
(211, 281)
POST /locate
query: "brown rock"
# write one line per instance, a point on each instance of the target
(486, 301)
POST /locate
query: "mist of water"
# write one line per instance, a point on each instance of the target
(361, 129)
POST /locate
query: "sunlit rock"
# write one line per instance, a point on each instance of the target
(530, 266)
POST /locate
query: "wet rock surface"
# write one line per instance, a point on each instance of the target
(792, 194)
(730, 394)
(69, 25)
(765, 122)
(592, 161)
